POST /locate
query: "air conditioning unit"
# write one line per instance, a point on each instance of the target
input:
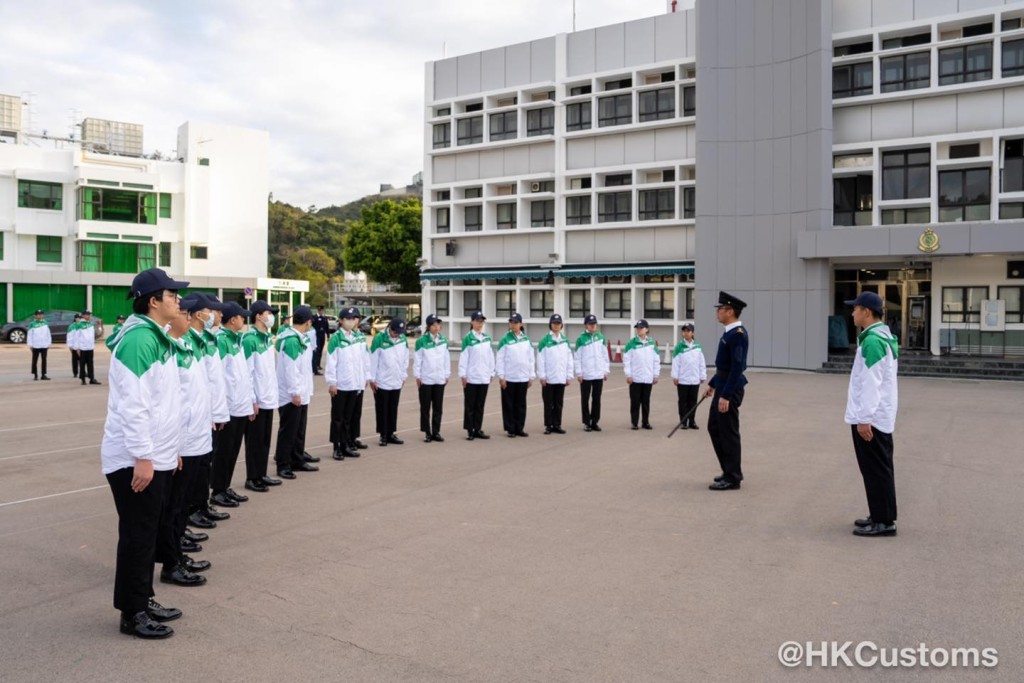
(535, 186)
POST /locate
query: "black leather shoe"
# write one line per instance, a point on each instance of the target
(724, 485)
(588, 428)
(92, 381)
(395, 440)
(215, 514)
(861, 523)
(338, 454)
(510, 435)
(720, 477)
(269, 481)
(305, 467)
(470, 436)
(195, 566)
(256, 485)
(179, 576)
(547, 430)
(481, 435)
(158, 612)
(237, 497)
(876, 529)
(438, 438)
(222, 498)
(382, 442)
(634, 428)
(310, 458)
(521, 433)
(428, 438)
(196, 536)
(142, 626)
(44, 378)
(694, 426)
(595, 428)
(188, 546)
(647, 426)
(360, 445)
(558, 430)
(350, 452)
(286, 474)
(199, 520)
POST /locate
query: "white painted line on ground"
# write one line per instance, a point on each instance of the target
(50, 425)
(60, 450)
(52, 495)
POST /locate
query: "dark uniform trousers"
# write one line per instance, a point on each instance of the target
(553, 396)
(229, 442)
(513, 406)
(687, 394)
(590, 395)
(386, 403)
(175, 512)
(138, 524)
(257, 444)
(431, 408)
(291, 436)
(36, 355)
(724, 430)
(199, 497)
(74, 363)
(86, 366)
(318, 352)
(474, 400)
(640, 402)
(346, 411)
(875, 460)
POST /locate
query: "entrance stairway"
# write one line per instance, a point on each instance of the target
(923, 364)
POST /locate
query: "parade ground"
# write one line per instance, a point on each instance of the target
(584, 557)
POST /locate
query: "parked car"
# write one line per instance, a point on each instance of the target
(374, 324)
(332, 323)
(414, 327)
(17, 332)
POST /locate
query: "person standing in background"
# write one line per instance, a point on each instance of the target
(641, 365)
(689, 370)
(592, 365)
(515, 367)
(555, 369)
(38, 340)
(322, 330)
(431, 366)
(85, 340)
(389, 368)
(476, 369)
(71, 342)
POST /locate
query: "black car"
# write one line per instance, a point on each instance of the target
(17, 332)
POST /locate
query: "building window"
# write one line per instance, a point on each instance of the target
(542, 303)
(917, 214)
(689, 202)
(965, 64)
(1011, 211)
(444, 220)
(116, 257)
(443, 195)
(580, 90)
(852, 80)
(1010, 24)
(471, 130)
(165, 254)
(506, 216)
(503, 125)
(579, 303)
(474, 218)
(1013, 58)
(1013, 165)
(851, 200)
(906, 174)
(442, 135)
(471, 302)
(577, 210)
(119, 206)
(441, 303)
(577, 116)
(853, 49)
(690, 294)
(165, 205)
(504, 303)
(614, 206)
(33, 194)
(656, 105)
(542, 214)
(966, 151)
(965, 195)
(616, 110)
(618, 84)
(618, 179)
(962, 304)
(473, 106)
(656, 205)
(906, 72)
(617, 304)
(473, 192)
(690, 100)
(1012, 296)
(540, 122)
(49, 249)
(907, 41)
(199, 252)
(659, 303)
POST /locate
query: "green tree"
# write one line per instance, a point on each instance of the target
(386, 243)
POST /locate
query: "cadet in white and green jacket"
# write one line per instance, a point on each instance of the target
(260, 357)
(38, 339)
(641, 365)
(242, 406)
(431, 366)
(689, 369)
(348, 365)
(515, 366)
(389, 368)
(555, 370)
(476, 370)
(294, 391)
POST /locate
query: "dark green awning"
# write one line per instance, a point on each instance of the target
(564, 271)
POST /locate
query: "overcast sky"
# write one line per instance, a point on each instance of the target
(339, 84)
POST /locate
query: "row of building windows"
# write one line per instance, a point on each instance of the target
(658, 304)
(109, 257)
(99, 204)
(963, 304)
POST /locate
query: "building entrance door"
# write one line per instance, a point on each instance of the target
(906, 306)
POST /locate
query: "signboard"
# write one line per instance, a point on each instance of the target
(282, 285)
(993, 315)
(248, 292)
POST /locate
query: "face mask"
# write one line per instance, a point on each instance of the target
(208, 323)
(349, 324)
(269, 320)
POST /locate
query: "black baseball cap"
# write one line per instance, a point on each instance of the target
(153, 280)
(431, 319)
(212, 302)
(39, 311)
(687, 326)
(87, 312)
(397, 325)
(555, 319)
(262, 307)
(348, 313)
(120, 316)
(231, 309)
(641, 323)
(868, 300)
(590, 320)
(192, 303)
(302, 314)
(515, 318)
(478, 315)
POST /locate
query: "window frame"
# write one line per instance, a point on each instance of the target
(583, 309)
(1013, 315)
(661, 96)
(659, 311)
(503, 131)
(689, 202)
(478, 299)
(965, 314)
(54, 201)
(199, 252)
(689, 100)
(476, 226)
(965, 74)
(618, 214)
(1012, 47)
(580, 217)
(623, 100)
(439, 308)
(444, 140)
(904, 83)
(501, 297)
(547, 213)
(45, 248)
(443, 228)
(535, 121)
(906, 168)
(664, 204)
(624, 311)
(547, 303)
(471, 136)
(862, 189)
(856, 88)
(578, 116)
(509, 221)
(962, 208)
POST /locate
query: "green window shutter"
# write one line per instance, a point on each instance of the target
(165, 254)
(147, 256)
(48, 249)
(165, 205)
(120, 258)
(90, 258)
(149, 208)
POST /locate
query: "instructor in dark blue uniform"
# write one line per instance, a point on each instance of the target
(727, 387)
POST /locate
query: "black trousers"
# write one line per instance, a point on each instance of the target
(318, 352)
(86, 365)
(875, 460)
(175, 512)
(346, 409)
(386, 403)
(640, 402)
(229, 442)
(257, 444)
(513, 406)
(553, 396)
(590, 401)
(291, 436)
(36, 355)
(474, 399)
(724, 430)
(138, 523)
(431, 408)
(687, 400)
(199, 496)
(74, 363)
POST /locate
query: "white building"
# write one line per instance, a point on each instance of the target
(581, 173)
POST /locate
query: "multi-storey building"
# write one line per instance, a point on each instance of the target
(834, 147)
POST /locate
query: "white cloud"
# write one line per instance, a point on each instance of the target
(339, 84)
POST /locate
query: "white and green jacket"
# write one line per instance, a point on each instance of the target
(554, 359)
(476, 360)
(432, 364)
(348, 361)
(196, 409)
(640, 361)
(237, 379)
(294, 366)
(514, 361)
(144, 401)
(688, 365)
(84, 334)
(38, 336)
(389, 361)
(259, 358)
(205, 345)
(872, 397)
(592, 356)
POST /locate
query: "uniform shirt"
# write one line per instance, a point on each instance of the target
(144, 400)
(688, 365)
(38, 335)
(71, 338)
(85, 336)
(640, 360)
(311, 337)
(555, 363)
(431, 363)
(205, 346)
(591, 360)
(196, 410)
(872, 396)
(515, 361)
(389, 361)
(237, 378)
(348, 361)
(476, 360)
(321, 326)
(259, 358)
(731, 360)
(294, 366)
